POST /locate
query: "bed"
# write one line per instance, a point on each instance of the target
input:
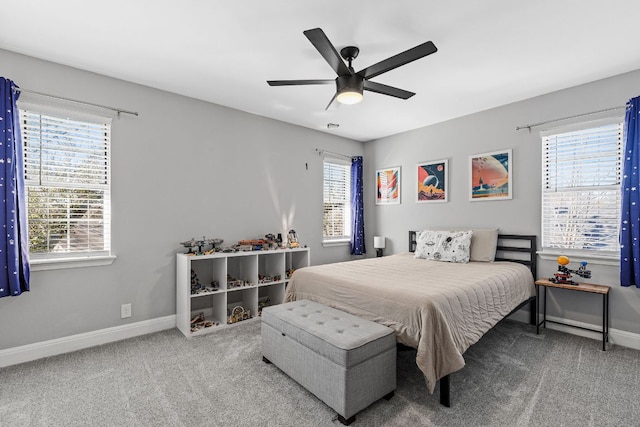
(439, 308)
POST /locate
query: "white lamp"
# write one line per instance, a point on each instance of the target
(378, 244)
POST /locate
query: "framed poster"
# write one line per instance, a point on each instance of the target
(490, 176)
(388, 186)
(432, 182)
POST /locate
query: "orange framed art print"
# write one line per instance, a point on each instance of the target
(388, 186)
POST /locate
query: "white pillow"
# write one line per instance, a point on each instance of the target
(483, 243)
(444, 245)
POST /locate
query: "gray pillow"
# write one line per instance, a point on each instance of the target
(483, 244)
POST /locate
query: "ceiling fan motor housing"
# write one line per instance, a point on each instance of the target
(350, 83)
(349, 88)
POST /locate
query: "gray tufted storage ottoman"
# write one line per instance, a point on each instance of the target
(346, 361)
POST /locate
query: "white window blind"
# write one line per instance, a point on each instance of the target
(67, 178)
(581, 189)
(336, 207)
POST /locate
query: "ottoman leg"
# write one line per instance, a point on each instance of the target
(347, 421)
(388, 396)
(265, 360)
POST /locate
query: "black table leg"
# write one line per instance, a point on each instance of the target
(537, 309)
(608, 320)
(544, 313)
(605, 321)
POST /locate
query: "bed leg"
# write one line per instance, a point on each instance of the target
(532, 311)
(445, 389)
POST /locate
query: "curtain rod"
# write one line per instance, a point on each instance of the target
(118, 110)
(321, 152)
(570, 117)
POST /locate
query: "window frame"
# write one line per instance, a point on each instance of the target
(62, 260)
(346, 238)
(592, 255)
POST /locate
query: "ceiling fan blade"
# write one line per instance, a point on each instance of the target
(300, 82)
(331, 102)
(387, 90)
(398, 60)
(318, 38)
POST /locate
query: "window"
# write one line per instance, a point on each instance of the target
(67, 181)
(581, 189)
(336, 207)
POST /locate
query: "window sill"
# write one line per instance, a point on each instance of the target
(60, 263)
(330, 243)
(598, 259)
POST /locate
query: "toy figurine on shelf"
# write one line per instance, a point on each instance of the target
(251, 244)
(271, 242)
(195, 282)
(293, 239)
(190, 244)
(262, 303)
(238, 314)
(563, 276)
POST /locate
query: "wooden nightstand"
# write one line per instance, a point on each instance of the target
(580, 287)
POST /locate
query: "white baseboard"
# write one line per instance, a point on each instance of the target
(616, 336)
(29, 352)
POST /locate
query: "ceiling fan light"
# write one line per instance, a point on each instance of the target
(349, 89)
(349, 97)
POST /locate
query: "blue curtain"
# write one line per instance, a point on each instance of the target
(630, 215)
(14, 256)
(357, 208)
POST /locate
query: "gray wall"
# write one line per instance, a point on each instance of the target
(489, 131)
(183, 168)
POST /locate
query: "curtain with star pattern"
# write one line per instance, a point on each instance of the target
(357, 208)
(14, 256)
(630, 215)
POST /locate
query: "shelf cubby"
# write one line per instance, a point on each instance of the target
(247, 289)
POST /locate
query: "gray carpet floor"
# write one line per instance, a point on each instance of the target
(513, 377)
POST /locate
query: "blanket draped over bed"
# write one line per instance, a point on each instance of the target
(438, 308)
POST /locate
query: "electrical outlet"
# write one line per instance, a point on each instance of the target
(125, 311)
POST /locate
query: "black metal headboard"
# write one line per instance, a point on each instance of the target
(519, 248)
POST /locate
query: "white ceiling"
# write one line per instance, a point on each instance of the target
(490, 52)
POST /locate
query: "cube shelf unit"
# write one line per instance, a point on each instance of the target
(247, 267)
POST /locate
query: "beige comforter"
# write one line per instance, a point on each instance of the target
(439, 308)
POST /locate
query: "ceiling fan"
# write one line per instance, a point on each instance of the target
(349, 84)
